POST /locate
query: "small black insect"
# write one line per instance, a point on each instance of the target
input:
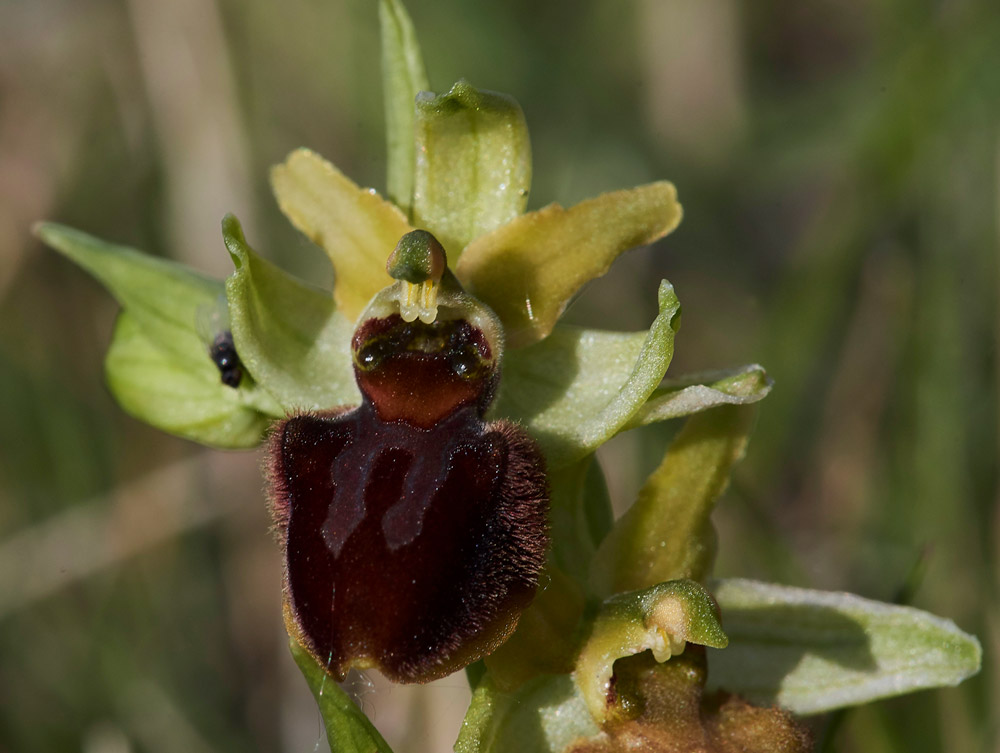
(213, 328)
(227, 361)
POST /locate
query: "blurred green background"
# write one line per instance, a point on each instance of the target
(839, 166)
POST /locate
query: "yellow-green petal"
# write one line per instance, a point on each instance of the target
(356, 227)
(529, 269)
(667, 533)
(473, 164)
(661, 619)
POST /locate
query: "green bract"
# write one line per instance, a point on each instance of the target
(812, 651)
(459, 167)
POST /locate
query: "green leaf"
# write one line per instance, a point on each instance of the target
(163, 297)
(693, 393)
(347, 728)
(667, 533)
(529, 269)
(814, 651)
(402, 77)
(189, 401)
(577, 388)
(473, 164)
(660, 619)
(288, 334)
(356, 227)
(545, 715)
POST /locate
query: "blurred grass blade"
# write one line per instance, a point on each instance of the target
(814, 651)
(579, 387)
(661, 619)
(287, 333)
(667, 533)
(473, 164)
(528, 270)
(693, 393)
(190, 402)
(402, 77)
(347, 728)
(545, 715)
(357, 228)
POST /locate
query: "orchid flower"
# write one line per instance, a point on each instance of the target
(602, 635)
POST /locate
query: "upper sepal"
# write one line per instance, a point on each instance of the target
(473, 164)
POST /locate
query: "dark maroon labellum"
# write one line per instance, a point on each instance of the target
(413, 530)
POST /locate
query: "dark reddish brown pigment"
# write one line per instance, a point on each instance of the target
(413, 530)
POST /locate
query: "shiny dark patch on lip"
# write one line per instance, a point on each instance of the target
(421, 373)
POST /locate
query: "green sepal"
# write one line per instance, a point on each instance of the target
(473, 164)
(163, 297)
(188, 401)
(158, 365)
(289, 334)
(347, 728)
(577, 388)
(667, 533)
(402, 77)
(579, 515)
(547, 636)
(661, 619)
(815, 651)
(545, 715)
